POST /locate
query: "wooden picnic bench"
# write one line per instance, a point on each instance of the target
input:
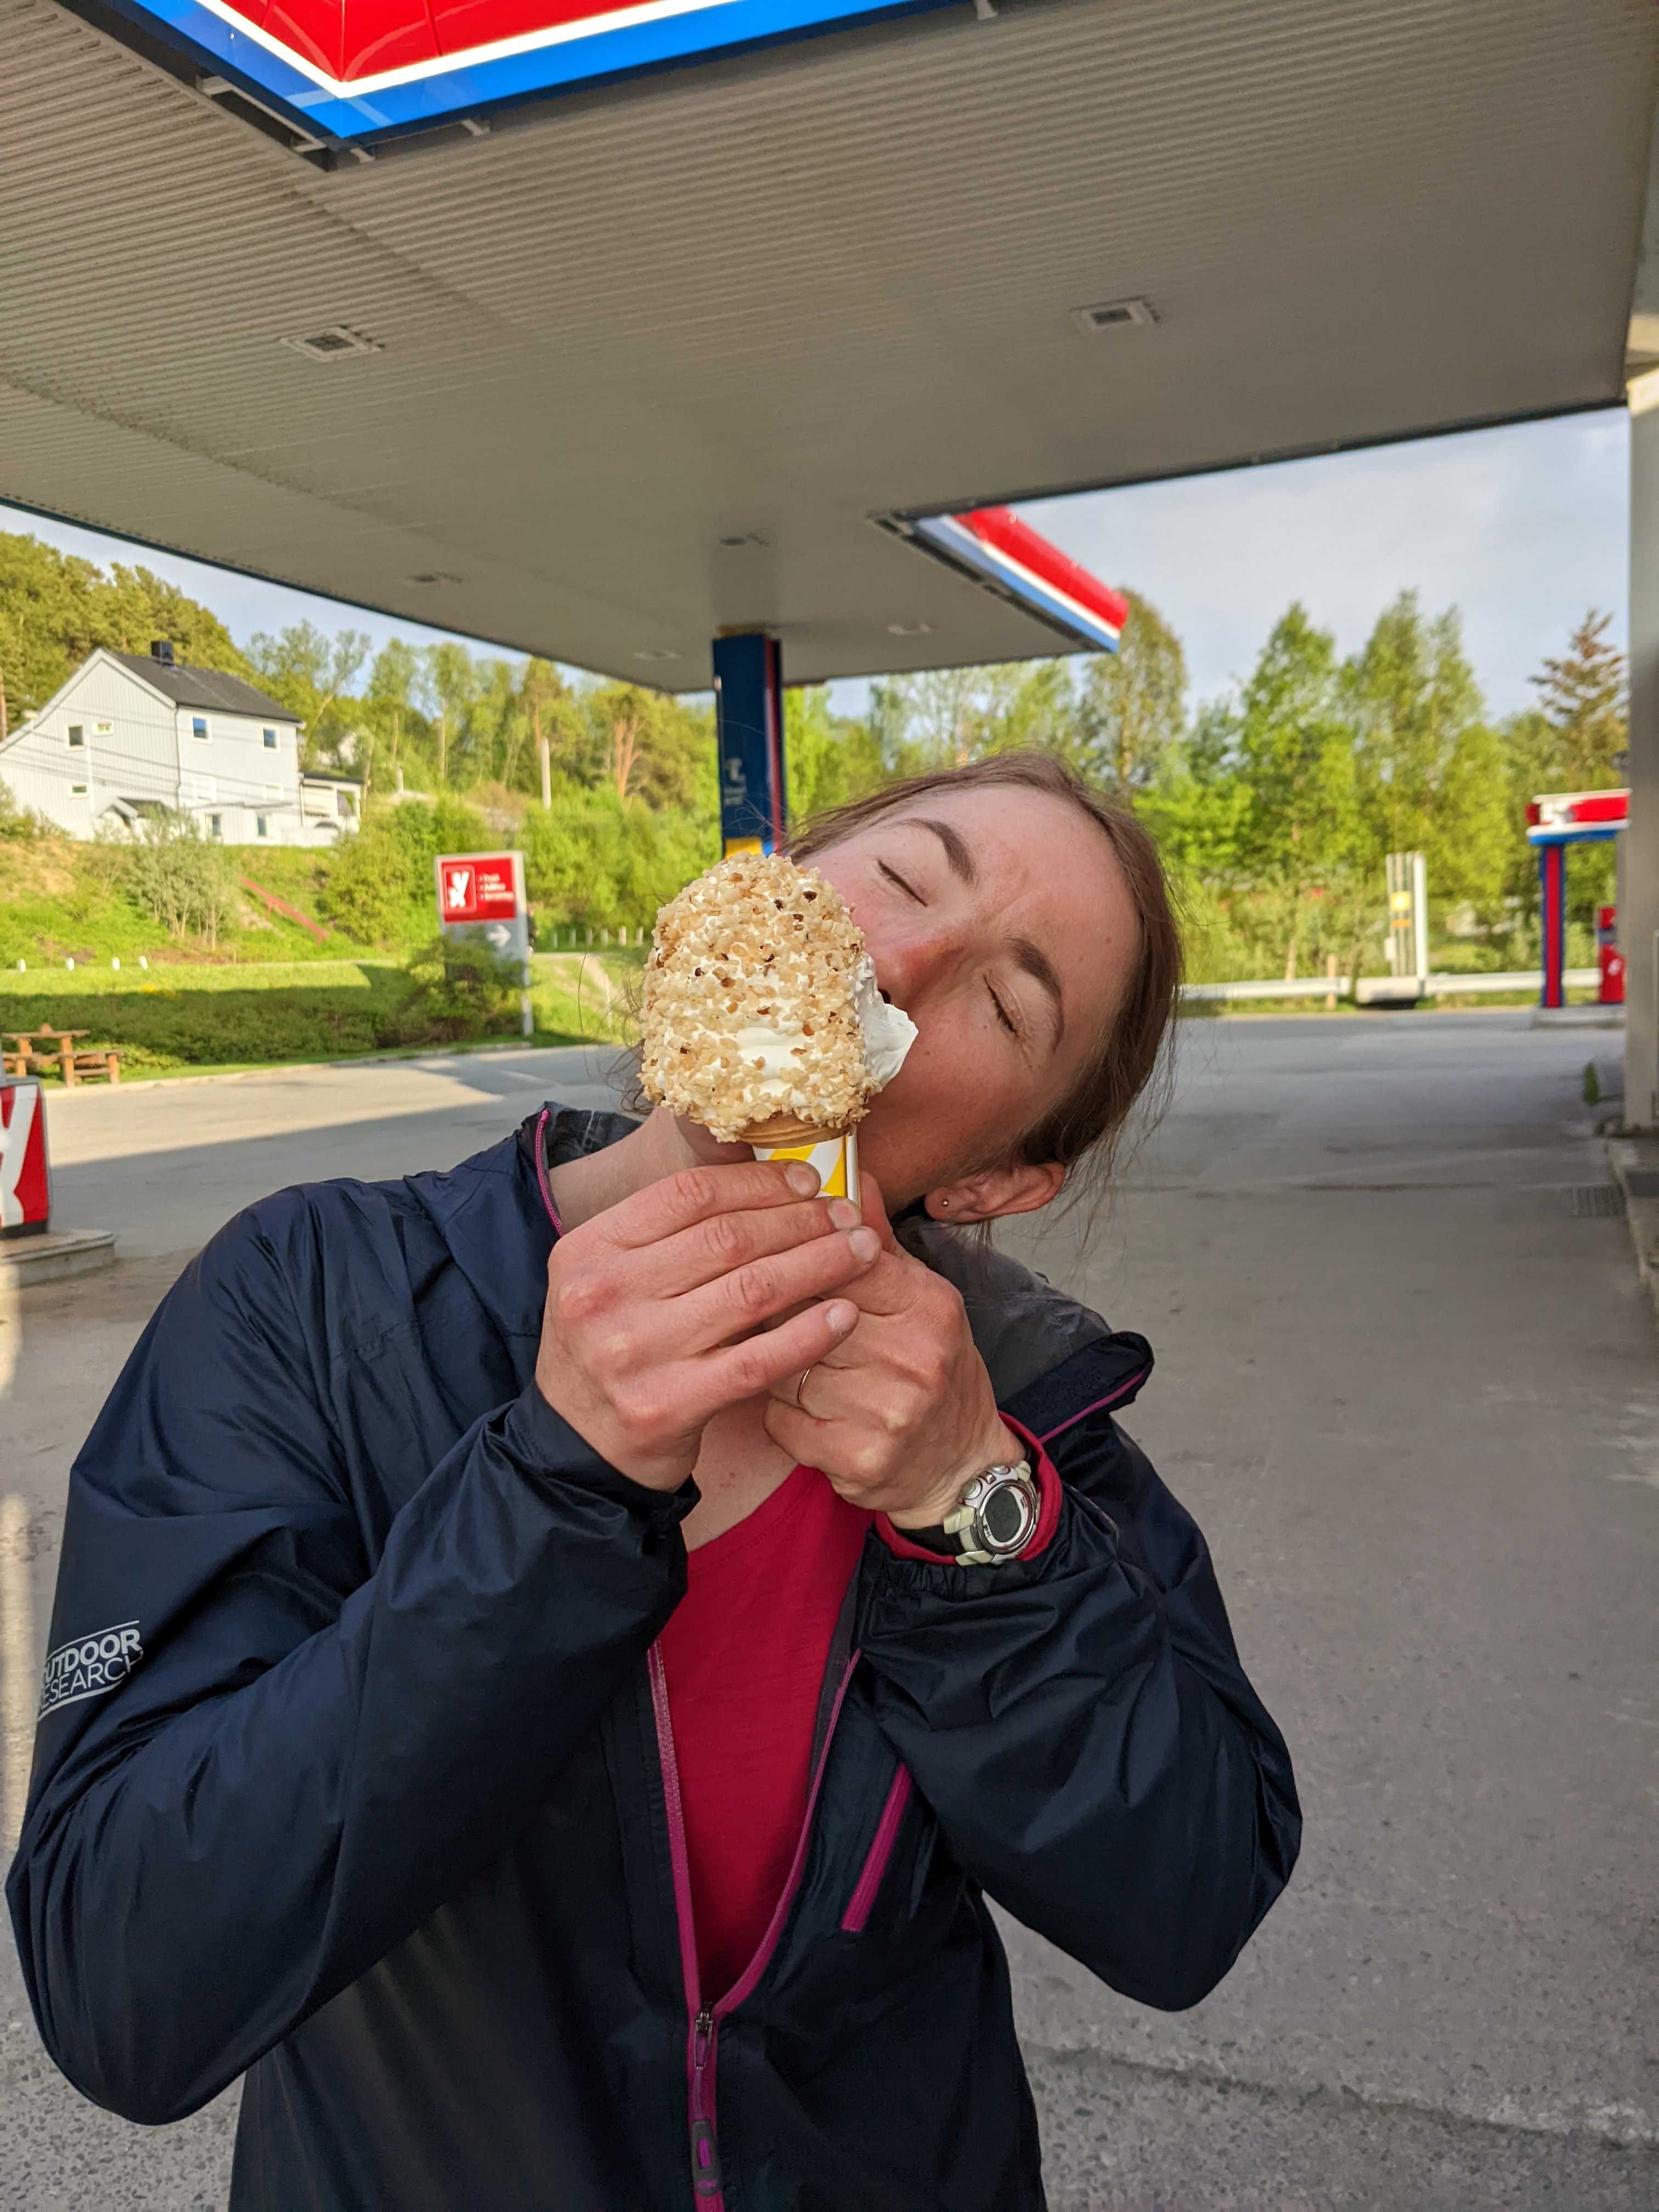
(28, 1052)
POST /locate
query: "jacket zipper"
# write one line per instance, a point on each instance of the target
(703, 2042)
(881, 1849)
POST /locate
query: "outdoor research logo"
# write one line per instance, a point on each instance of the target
(89, 1665)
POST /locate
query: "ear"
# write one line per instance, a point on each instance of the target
(1014, 1187)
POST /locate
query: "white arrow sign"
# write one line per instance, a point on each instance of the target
(499, 935)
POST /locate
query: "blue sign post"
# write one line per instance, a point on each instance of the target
(749, 724)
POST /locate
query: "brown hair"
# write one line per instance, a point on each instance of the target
(1084, 1132)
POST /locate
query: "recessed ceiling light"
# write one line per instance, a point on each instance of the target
(644, 652)
(332, 343)
(435, 577)
(1113, 315)
(909, 630)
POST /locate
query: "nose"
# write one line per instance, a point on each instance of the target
(912, 954)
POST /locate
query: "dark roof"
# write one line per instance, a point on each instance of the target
(202, 687)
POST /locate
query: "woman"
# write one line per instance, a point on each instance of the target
(563, 1752)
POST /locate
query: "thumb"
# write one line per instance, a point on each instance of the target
(874, 1207)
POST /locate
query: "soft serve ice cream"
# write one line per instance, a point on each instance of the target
(761, 1016)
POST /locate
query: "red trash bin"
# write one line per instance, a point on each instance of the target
(1609, 958)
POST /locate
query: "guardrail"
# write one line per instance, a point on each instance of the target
(1460, 984)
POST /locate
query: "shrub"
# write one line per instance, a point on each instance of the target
(380, 889)
(19, 823)
(460, 987)
(185, 882)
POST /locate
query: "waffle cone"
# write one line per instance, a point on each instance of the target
(788, 1129)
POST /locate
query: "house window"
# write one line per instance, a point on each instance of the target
(202, 789)
(343, 804)
(199, 728)
(259, 826)
(215, 826)
(273, 791)
(77, 790)
(77, 736)
(270, 741)
(103, 729)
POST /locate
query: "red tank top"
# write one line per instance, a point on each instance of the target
(744, 1654)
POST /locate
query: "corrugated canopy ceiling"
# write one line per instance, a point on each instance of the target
(653, 360)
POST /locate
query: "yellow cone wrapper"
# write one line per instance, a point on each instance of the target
(834, 1154)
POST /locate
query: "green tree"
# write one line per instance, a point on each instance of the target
(55, 608)
(381, 887)
(830, 758)
(1414, 698)
(186, 883)
(943, 717)
(311, 673)
(1131, 704)
(449, 685)
(1298, 832)
(1581, 696)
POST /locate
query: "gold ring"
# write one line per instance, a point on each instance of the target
(800, 1383)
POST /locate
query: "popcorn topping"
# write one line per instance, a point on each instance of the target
(787, 1038)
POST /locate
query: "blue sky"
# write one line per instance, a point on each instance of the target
(1523, 528)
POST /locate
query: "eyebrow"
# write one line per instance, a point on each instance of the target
(1037, 964)
(964, 866)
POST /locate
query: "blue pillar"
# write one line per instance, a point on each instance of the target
(749, 726)
(1552, 903)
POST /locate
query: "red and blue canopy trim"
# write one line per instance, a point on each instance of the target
(994, 544)
(1577, 817)
(349, 69)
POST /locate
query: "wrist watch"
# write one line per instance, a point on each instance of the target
(993, 1522)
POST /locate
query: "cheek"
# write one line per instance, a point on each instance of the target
(961, 1077)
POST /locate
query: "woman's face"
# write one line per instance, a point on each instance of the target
(998, 919)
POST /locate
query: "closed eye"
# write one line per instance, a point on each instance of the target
(1002, 1013)
(894, 877)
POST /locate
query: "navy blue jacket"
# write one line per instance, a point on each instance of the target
(350, 1772)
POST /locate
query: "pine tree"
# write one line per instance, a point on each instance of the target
(1581, 696)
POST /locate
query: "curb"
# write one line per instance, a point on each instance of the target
(1635, 1164)
(28, 1260)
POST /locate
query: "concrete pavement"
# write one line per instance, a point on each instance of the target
(1414, 1402)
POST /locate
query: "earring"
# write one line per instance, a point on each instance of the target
(943, 1204)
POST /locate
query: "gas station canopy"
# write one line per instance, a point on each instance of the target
(601, 335)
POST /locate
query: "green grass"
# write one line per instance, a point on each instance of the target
(190, 1018)
(62, 900)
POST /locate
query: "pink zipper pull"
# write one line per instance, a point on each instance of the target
(705, 2151)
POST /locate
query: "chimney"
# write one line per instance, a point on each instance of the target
(161, 648)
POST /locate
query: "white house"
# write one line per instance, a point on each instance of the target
(132, 734)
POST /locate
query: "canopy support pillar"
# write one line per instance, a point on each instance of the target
(749, 727)
(1638, 913)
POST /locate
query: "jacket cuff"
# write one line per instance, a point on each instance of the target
(544, 1444)
(1049, 1491)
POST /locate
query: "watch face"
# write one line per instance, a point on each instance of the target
(1005, 1515)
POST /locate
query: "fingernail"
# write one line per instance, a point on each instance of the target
(841, 1317)
(865, 1244)
(843, 1214)
(802, 1178)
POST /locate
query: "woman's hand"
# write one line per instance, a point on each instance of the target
(900, 1412)
(657, 1309)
